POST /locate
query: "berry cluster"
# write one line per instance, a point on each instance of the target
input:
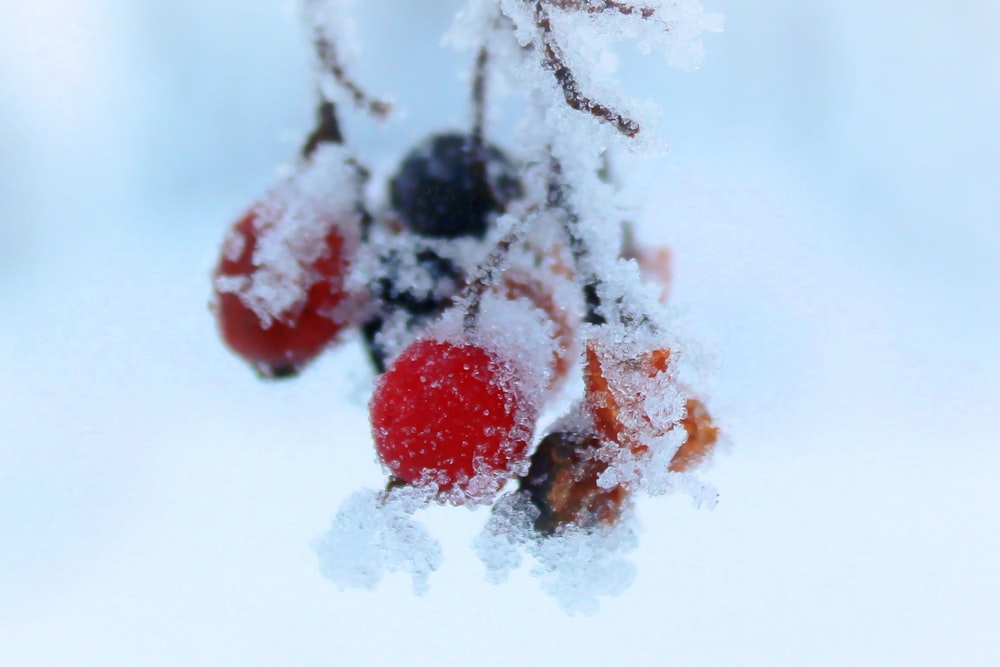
(479, 291)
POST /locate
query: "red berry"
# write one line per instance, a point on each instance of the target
(280, 306)
(451, 414)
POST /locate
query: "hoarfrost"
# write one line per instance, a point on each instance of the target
(575, 566)
(560, 53)
(291, 224)
(374, 533)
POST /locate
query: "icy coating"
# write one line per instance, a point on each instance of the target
(374, 533)
(492, 284)
(291, 223)
(577, 567)
(581, 34)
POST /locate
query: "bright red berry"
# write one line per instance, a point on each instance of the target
(279, 287)
(451, 414)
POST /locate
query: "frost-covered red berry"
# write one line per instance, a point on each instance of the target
(446, 187)
(279, 288)
(452, 414)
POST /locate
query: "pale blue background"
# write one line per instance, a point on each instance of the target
(832, 200)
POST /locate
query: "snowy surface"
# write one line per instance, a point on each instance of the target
(830, 197)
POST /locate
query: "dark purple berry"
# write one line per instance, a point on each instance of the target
(448, 187)
(416, 284)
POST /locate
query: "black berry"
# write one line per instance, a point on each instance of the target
(448, 187)
(562, 484)
(416, 284)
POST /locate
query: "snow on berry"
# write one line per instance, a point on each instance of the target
(456, 410)
(374, 533)
(544, 296)
(411, 280)
(280, 294)
(631, 394)
(577, 567)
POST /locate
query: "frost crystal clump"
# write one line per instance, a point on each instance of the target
(375, 533)
(494, 280)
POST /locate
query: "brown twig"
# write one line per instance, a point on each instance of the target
(488, 270)
(328, 56)
(326, 52)
(327, 130)
(553, 60)
(599, 7)
(558, 199)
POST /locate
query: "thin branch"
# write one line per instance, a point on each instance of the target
(328, 56)
(327, 130)
(489, 269)
(479, 98)
(600, 6)
(558, 199)
(552, 59)
(326, 52)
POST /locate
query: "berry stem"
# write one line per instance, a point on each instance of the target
(557, 198)
(477, 148)
(479, 102)
(327, 130)
(391, 485)
(326, 53)
(582, 254)
(488, 270)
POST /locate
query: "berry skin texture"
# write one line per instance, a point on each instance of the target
(442, 190)
(450, 414)
(562, 484)
(702, 435)
(614, 404)
(609, 404)
(279, 346)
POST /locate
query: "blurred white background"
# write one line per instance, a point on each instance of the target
(831, 196)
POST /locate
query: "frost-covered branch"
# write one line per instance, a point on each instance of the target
(598, 6)
(552, 59)
(330, 60)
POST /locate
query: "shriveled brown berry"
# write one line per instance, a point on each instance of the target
(562, 484)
